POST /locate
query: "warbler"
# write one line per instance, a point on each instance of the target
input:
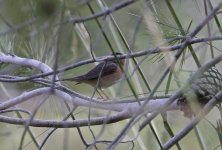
(104, 75)
(200, 92)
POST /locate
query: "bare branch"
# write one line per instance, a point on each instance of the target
(103, 13)
(24, 97)
(26, 62)
(177, 55)
(48, 71)
(194, 121)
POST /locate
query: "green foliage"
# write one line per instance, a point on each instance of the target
(38, 29)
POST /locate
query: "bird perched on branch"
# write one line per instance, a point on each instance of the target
(200, 92)
(104, 75)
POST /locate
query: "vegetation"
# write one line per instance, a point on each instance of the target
(170, 48)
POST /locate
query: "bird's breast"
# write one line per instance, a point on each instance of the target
(107, 80)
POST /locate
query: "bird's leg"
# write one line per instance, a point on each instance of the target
(102, 96)
(99, 93)
(106, 96)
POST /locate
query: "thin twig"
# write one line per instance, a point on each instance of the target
(103, 13)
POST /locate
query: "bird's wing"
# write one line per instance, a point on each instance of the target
(104, 68)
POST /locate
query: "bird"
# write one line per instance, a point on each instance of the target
(200, 92)
(104, 75)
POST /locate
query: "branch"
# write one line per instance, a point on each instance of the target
(130, 108)
(103, 13)
(194, 121)
(65, 124)
(23, 97)
(48, 71)
(13, 59)
(133, 119)
(125, 114)
(193, 77)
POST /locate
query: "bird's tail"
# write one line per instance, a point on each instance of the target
(77, 79)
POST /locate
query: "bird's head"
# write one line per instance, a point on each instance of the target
(122, 61)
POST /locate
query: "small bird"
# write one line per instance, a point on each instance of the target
(200, 92)
(104, 75)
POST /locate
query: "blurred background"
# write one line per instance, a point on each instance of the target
(45, 30)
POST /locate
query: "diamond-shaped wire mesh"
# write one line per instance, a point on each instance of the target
(200, 92)
(209, 83)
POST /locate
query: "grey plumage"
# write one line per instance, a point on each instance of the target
(104, 68)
